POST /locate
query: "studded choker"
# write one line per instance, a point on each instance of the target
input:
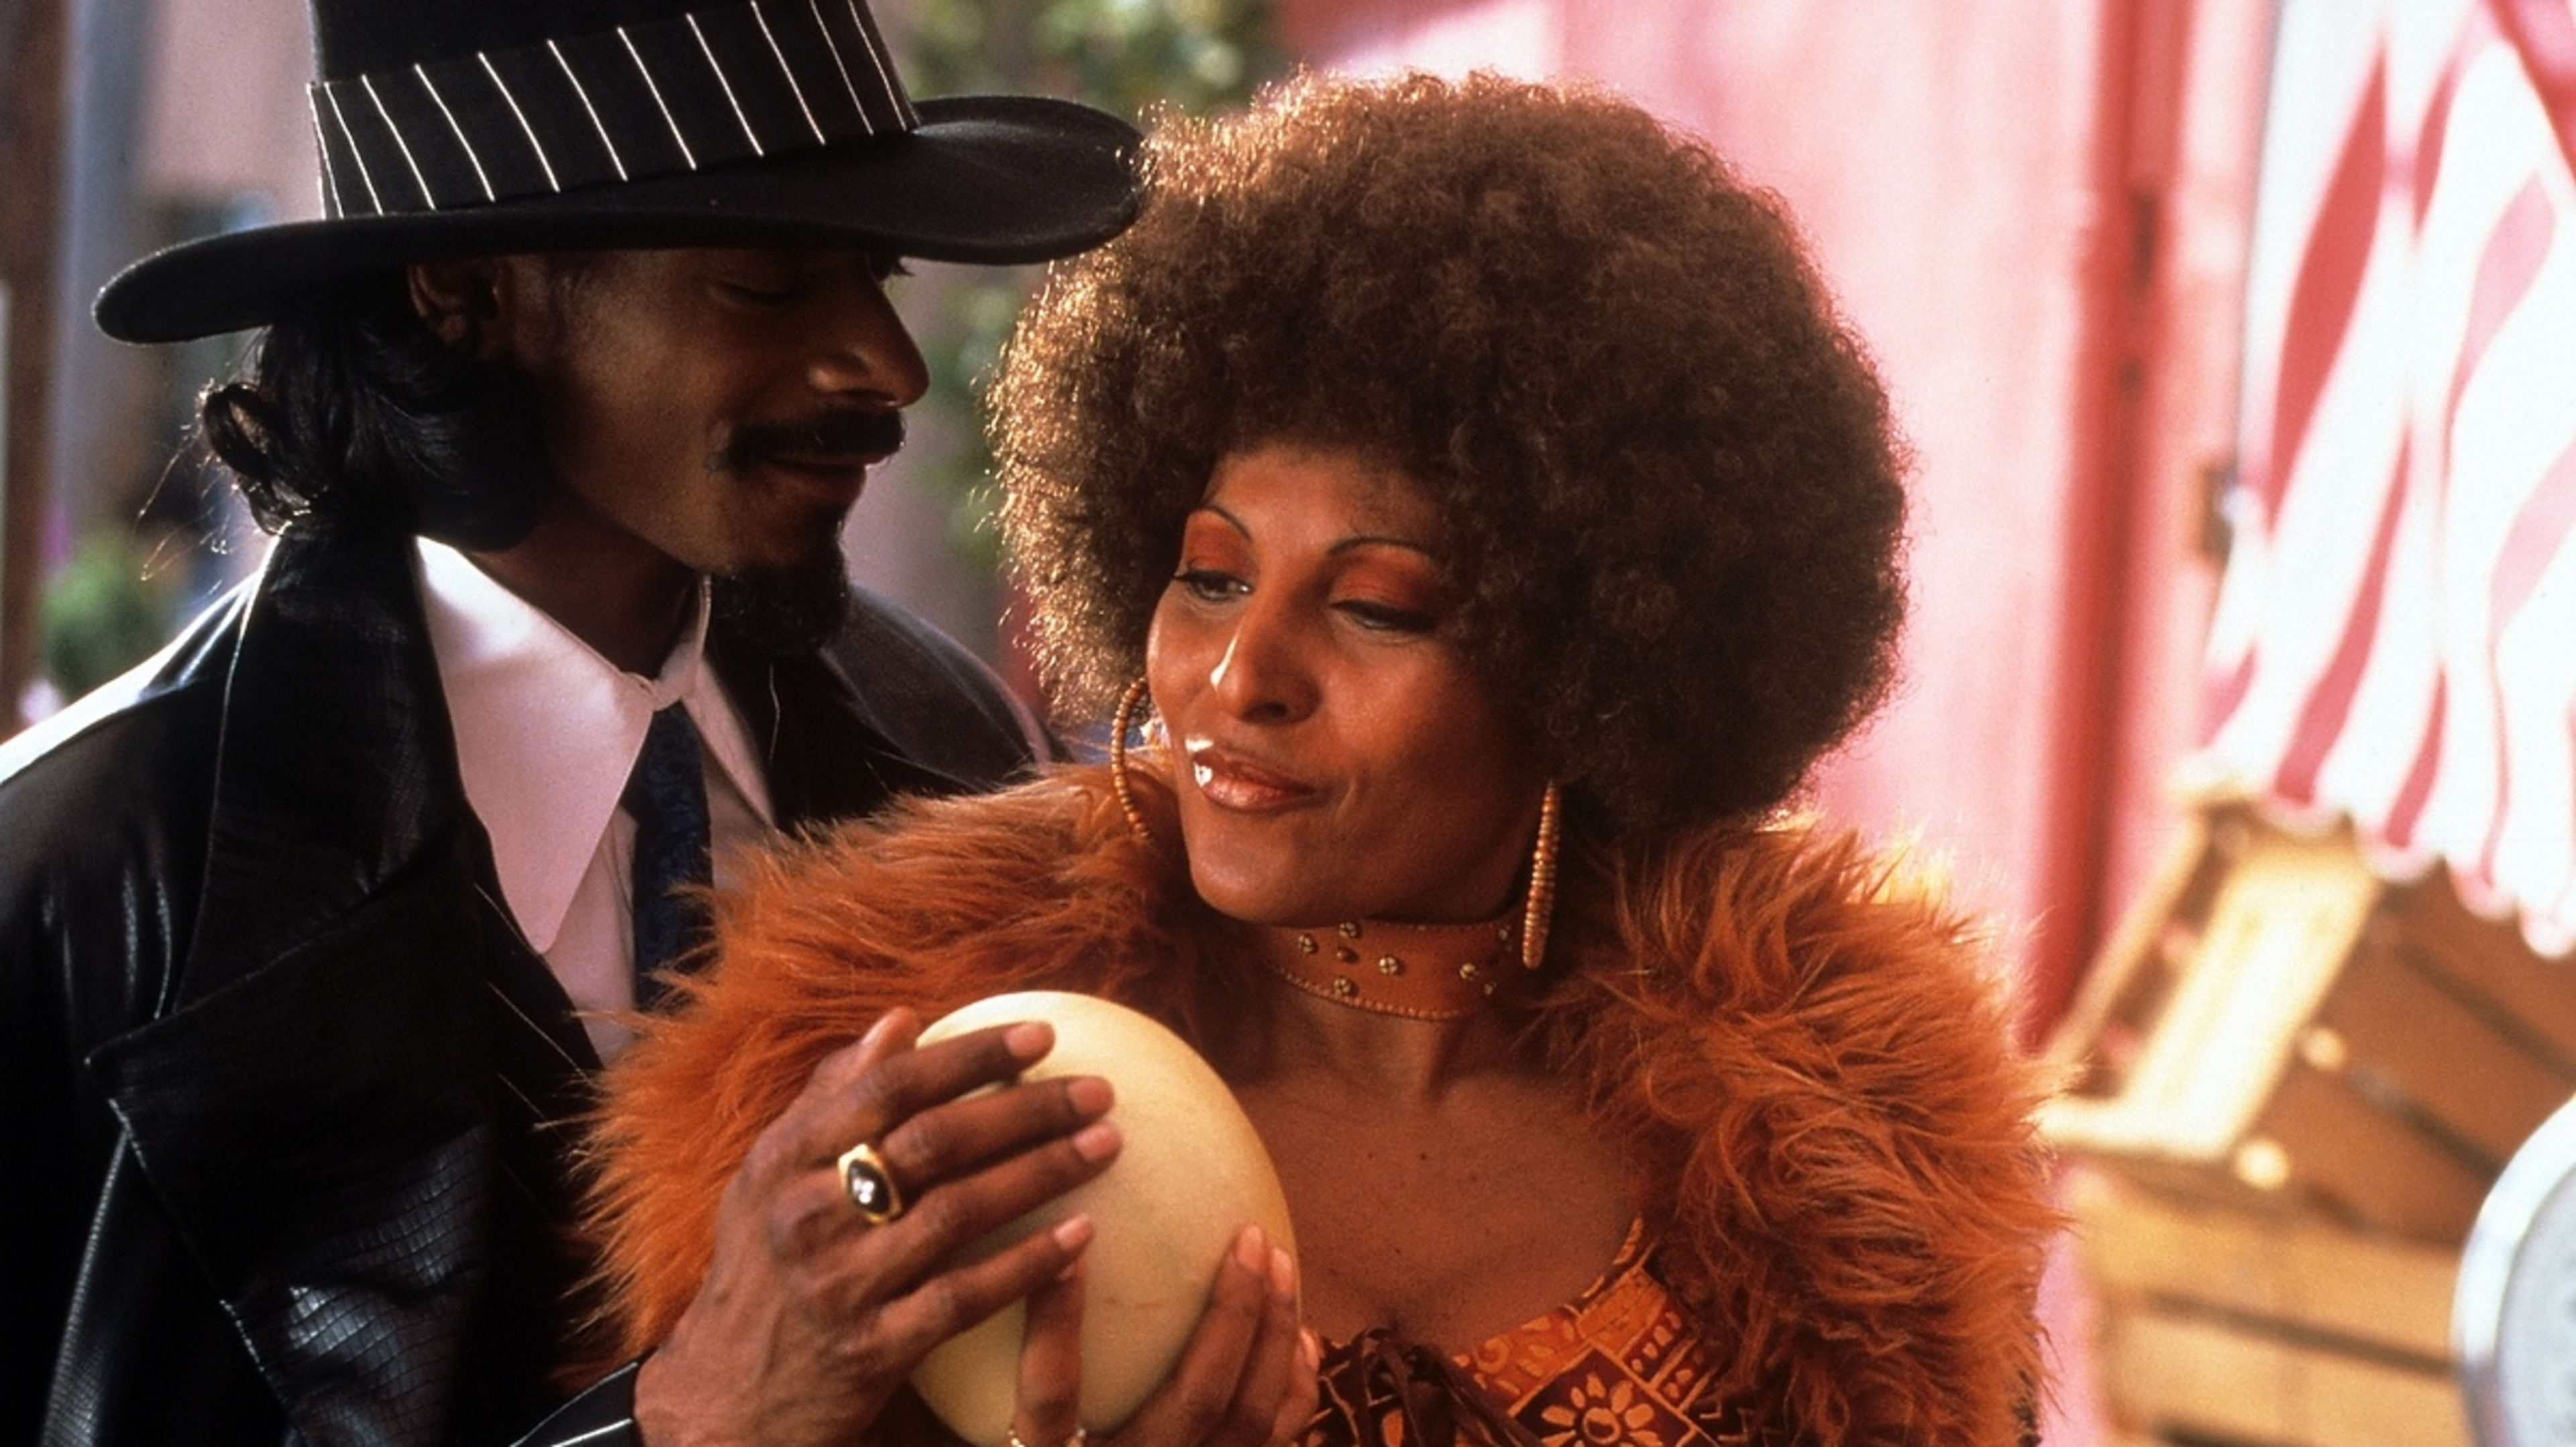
(1420, 971)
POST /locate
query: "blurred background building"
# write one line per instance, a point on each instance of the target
(2236, 339)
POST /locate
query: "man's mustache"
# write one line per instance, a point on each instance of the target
(845, 435)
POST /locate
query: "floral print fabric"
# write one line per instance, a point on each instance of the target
(1619, 1366)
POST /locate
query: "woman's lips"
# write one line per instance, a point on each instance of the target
(1231, 781)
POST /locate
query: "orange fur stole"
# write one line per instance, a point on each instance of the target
(1811, 1069)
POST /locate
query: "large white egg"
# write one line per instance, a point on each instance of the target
(1190, 1174)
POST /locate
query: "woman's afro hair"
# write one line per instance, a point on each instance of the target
(1667, 472)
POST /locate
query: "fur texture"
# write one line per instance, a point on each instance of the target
(1811, 1069)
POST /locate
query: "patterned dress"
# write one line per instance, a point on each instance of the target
(1618, 1366)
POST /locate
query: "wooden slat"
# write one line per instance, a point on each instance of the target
(2193, 1185)
(2489, 959)
(2344, 1148)
(2174, 1372)
(2305, 1274)
(2396, 1023)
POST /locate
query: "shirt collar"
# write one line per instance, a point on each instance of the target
(547, 729)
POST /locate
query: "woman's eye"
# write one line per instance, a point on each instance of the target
(1207, 584)
(1387, 617)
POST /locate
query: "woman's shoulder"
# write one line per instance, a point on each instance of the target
(1749, 916)
(1812, 972)
(1823, 1046)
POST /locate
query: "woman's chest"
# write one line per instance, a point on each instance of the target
(1446, 1225)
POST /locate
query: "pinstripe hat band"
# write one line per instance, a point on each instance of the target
(704, 88)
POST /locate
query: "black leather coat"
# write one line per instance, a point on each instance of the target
(285, 1093)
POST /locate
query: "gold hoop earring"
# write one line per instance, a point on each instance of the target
(1118, 784)
(1540, 908)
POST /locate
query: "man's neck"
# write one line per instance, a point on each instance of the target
(614, 591)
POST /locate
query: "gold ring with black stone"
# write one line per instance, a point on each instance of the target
(870, 1184)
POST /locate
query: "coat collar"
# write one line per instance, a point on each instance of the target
(825, 756)
(310, 1101)
(336, 770)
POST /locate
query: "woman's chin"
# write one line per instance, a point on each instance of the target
(1263, 897)
(1258, 910)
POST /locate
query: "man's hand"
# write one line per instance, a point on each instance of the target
(811, 1318)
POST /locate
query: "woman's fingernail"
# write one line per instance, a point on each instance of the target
(1310, 1347)
(1097, 1141)
(1071, 1233)
(1029, 1041)
(1088, 1094)
(1249, 1246)
(1283, 1272)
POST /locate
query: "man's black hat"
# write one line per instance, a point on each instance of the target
(479, 127)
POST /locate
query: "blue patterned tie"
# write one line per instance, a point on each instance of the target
(667, 796)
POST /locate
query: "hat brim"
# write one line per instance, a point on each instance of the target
(986, 179)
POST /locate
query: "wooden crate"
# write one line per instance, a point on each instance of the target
(2291, 1085)
(2276, 1028)
(2225, 1326)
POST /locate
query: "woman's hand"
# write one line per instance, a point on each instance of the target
(1245, 1379)
(811, 1317)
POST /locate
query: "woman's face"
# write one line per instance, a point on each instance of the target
(1336, 758)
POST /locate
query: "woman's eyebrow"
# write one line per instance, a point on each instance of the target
(1383, 540)
(1218, 509)
(1342, 545)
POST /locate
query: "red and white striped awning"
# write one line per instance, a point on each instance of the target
(2395, 639)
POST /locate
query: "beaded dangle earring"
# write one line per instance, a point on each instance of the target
(1118, 785)
(1540, 907)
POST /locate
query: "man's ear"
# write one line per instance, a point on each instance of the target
(466, 303)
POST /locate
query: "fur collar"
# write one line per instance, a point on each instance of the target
(1804, 1053)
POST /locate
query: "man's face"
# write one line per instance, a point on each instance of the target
(719, 406)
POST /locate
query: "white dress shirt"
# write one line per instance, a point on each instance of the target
(547, 731)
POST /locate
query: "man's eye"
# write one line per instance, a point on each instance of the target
(762, 288)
